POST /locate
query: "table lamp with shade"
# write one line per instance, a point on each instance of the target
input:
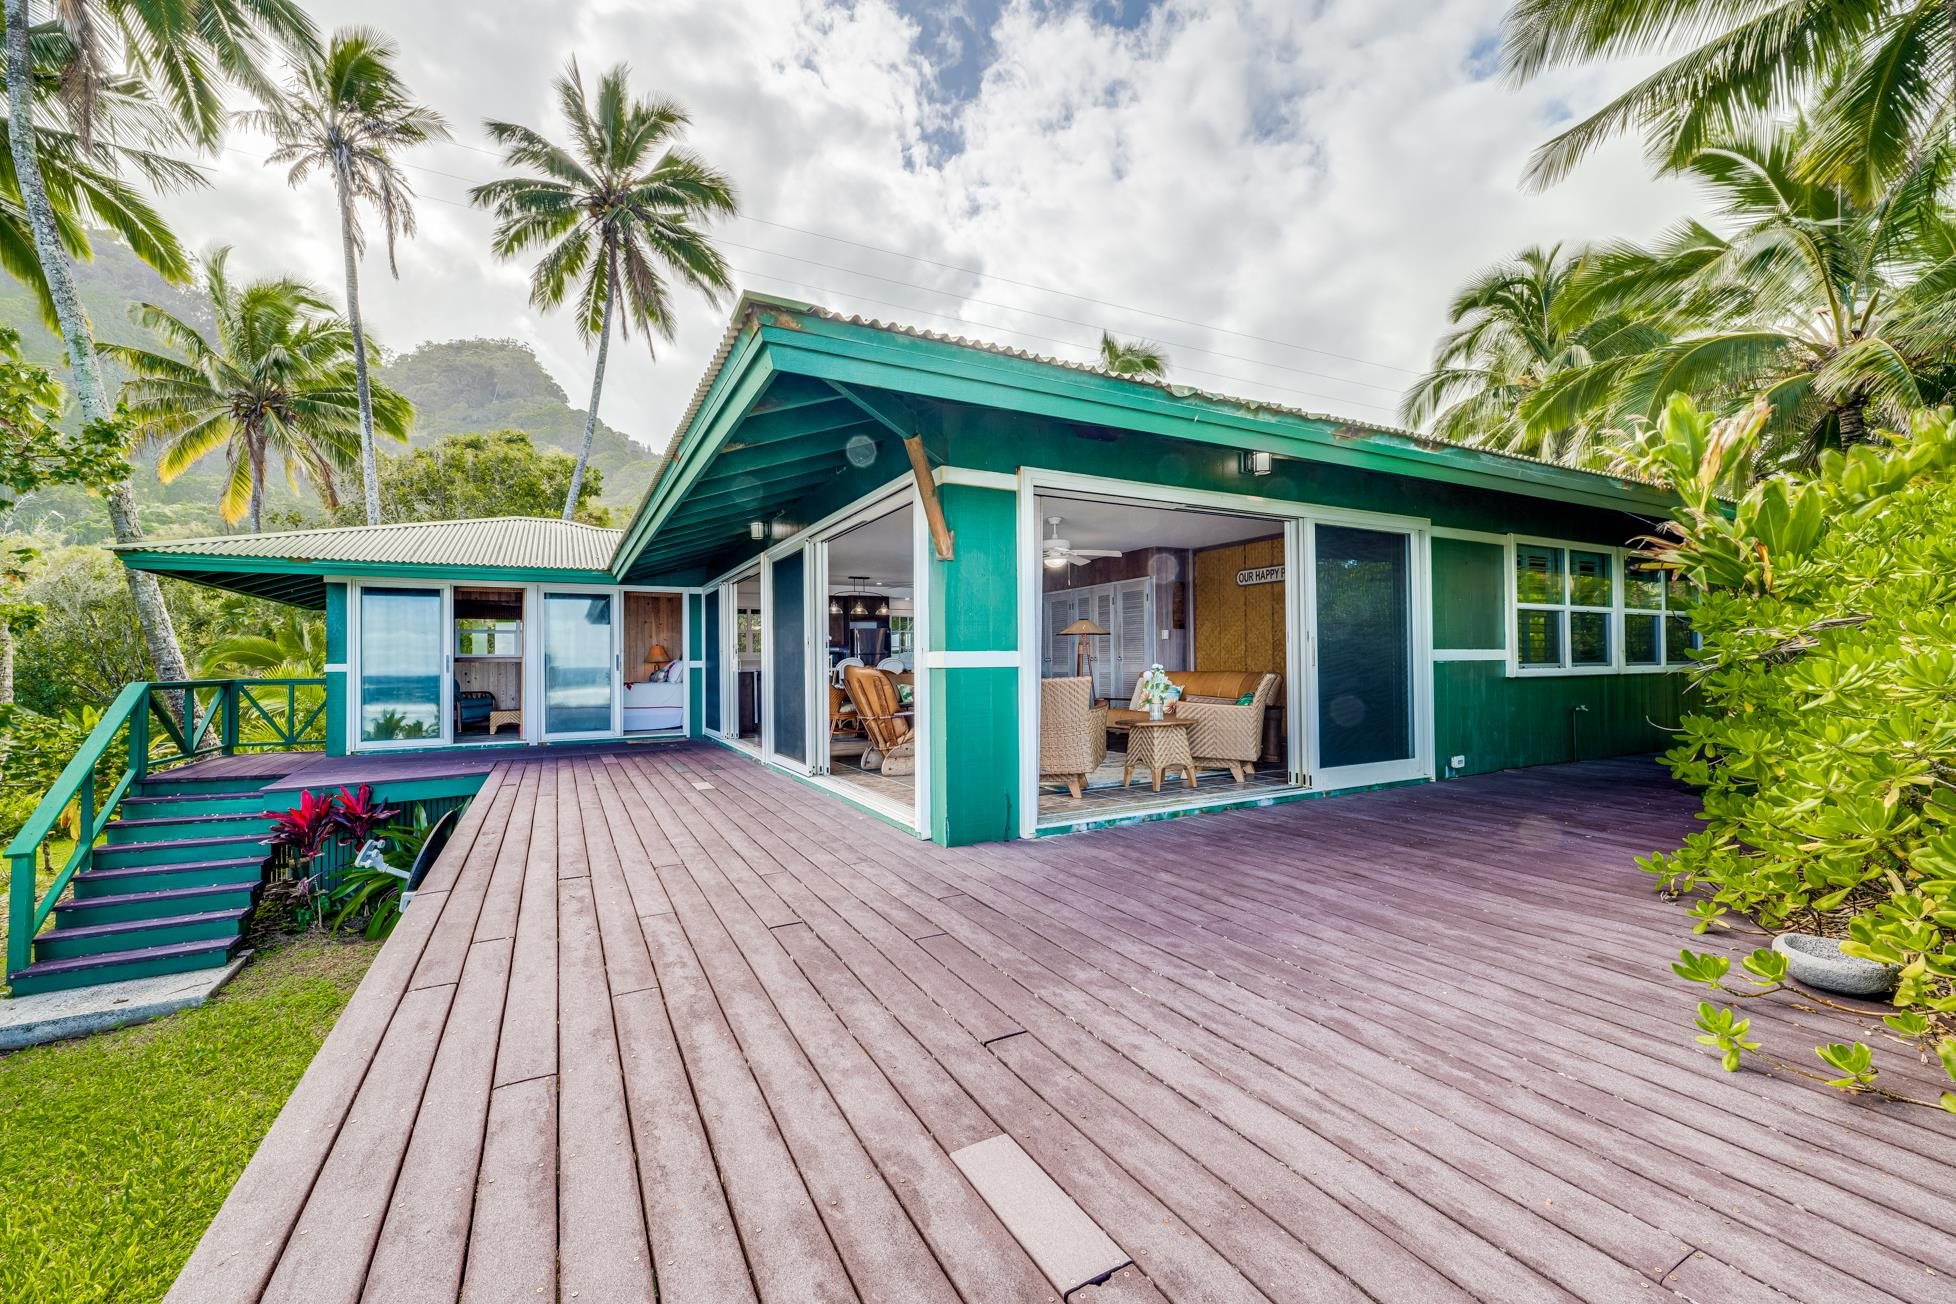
(657, 658)
(1082, 630)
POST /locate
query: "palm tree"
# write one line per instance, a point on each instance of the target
(349, 112)
(611, 213)
(181, 52)
(292, 648)
(1833, 310)
(1513, 331)
(1131, 357)
(1881, 75)
(275, 377)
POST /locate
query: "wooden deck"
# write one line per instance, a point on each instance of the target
(664, 1015)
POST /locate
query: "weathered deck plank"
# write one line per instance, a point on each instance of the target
(662, 1016)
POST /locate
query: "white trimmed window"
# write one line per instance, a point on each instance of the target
(1588, 610)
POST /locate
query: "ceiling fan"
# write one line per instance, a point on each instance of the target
(1060, 551)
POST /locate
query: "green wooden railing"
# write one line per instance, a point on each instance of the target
(149, 727)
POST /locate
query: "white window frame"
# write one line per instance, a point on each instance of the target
(1617, 610)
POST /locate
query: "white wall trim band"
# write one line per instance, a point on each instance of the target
(976, 479)
(1470, 654)
(334, 668)
(1470, 536)
(1008, 660)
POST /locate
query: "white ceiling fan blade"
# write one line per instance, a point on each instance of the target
(1096, 552)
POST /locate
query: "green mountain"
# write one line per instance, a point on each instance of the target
(455, 385)
(463, 385)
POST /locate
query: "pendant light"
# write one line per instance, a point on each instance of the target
(883, 607)
(857, 608)
(835, 608)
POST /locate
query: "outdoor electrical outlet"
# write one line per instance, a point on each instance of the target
(1458, 762)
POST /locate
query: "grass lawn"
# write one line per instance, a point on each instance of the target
(118, 1149)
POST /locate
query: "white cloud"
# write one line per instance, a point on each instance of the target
(1321, 174)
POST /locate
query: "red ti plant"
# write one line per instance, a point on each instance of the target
(356, 816)
(305, 827)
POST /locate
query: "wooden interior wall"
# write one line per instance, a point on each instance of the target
(1236, 627)
(502, 676)
(650, 618)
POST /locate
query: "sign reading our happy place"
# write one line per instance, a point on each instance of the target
(1259, 575)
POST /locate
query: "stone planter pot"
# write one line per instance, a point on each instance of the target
(1818, 962)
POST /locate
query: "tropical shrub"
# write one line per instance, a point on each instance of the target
(1825, 739)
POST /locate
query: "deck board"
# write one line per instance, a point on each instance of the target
(663, 1016)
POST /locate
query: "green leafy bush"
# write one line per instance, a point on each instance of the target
(1825, 741)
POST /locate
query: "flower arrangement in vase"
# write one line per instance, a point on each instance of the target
(1156, 691)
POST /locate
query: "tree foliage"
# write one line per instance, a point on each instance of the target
(613, 218)
(1131, 357)
(273, 378)
(1825, 730)
(489, 473)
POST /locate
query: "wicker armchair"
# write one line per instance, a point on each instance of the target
(1225, 736)
(1072, 732)
(891, 738)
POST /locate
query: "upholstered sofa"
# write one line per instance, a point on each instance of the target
(1072, 732)
(1226, 733)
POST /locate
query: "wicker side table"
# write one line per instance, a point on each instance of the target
(1156, 747)
(497, 719)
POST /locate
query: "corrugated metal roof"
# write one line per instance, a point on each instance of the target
(529, 541)
(750, 301)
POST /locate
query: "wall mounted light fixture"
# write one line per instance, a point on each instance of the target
(1257, 462)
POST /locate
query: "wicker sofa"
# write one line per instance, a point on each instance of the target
(1226, 733)
(1072, 732)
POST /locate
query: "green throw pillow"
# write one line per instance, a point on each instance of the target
(1246, 699)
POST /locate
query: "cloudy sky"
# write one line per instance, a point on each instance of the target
(1282, 193)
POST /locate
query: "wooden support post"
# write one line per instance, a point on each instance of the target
(940, 534)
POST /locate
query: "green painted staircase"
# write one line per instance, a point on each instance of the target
(170, 888)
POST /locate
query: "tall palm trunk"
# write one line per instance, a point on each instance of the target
(158, 632)
(6, 662)
(1853, 422)
(255, 450)
(369, 471)
(597, 387)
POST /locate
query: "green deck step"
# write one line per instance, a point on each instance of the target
(172, 828)
(124, 855)
(209, 803)
(132, 934)
(118, 966)
(168, 891)
(124, 879)
(82, 912)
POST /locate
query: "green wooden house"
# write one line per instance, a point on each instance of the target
(927, 574)
(1427, 609)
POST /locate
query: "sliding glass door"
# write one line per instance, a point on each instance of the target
(580, 655)
(1363, 693)
(403, 685)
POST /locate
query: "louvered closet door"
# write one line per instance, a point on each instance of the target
(1059, 648)
(1136, 648)
(1106, 662)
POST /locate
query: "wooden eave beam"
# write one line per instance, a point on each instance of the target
(901, 419)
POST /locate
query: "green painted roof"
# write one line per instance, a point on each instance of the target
(801, 408)
(799, 398)
(290, 565)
